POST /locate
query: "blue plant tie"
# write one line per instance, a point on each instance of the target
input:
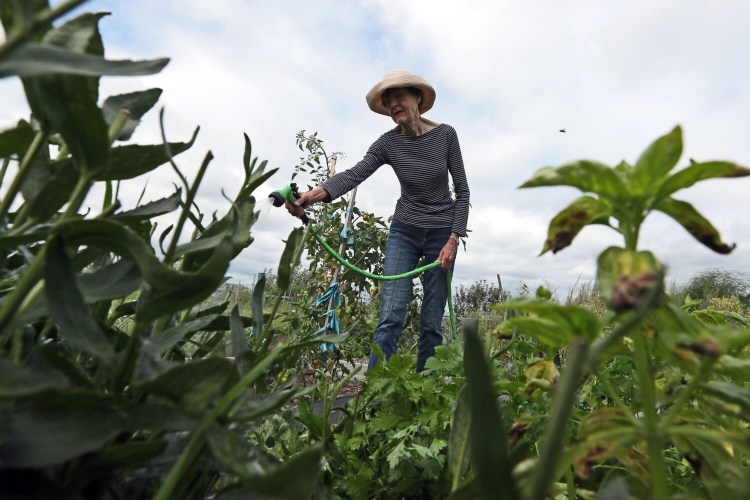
(333, 291)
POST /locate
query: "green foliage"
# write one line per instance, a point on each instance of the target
(716, 283)
(112, 382)
(686, 400)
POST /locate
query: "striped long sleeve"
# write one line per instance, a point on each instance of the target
(423, 165)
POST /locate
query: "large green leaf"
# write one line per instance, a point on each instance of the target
(170, 290)
(459, 456)
(234, 452)
(550, 323)
(80, 34)
(109, 282)
(193, 385)
(286, 264)
(293, 479)
(235, 224)
(588, 176)
(729, 392)
(154, 208)
(656, 162)
(489, 444)
(697, 225)
(253, 406)
(569, 222)
(239, 340)
(134, 160)
(46, 434)
(17, 380)
(55, 192)
(256, 306)
(78, 328)
(719, 471)
(162, 341)
(69, 102)
(697, 172)
(15, 141)
(31, 60)
(136, 104)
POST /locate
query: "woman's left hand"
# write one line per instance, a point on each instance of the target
(448, 255)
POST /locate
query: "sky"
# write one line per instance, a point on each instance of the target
(509, 76)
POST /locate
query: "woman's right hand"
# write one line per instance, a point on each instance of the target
(306, 199)
(297, 209)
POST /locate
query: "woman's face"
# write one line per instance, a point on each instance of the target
(402, 105)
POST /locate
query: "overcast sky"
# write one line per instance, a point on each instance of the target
(508, 75)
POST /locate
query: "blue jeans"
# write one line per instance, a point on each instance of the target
(406, 245)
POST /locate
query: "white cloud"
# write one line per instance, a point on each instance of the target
(509, 75)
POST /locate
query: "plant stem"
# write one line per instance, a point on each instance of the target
(47, 16)
(26, 283)
(186, 208)
(571, 484)
(544, 470)
(4, 169)
(653, 435)
(23, 170)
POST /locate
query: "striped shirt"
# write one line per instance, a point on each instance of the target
(422, 165)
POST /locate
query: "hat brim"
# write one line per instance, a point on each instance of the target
(375, 95)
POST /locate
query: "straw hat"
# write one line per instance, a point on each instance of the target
(398, 78)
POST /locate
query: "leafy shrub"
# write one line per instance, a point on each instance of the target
(113, 381)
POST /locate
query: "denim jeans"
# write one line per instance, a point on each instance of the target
(406, 245)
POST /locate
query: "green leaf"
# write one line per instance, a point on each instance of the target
(55, 192)
(193, 385)
(656, 162)
(550, 323)
(171, 290)
(234, 452)
(293, 479)
(109, 282)
(44, 435)
(78, 328)
(489, 444)
(697, 225)
(286, 266)
(157, 417)
(253, 406)
(154, 208)
(18, 380)
(256, 306)
(569, 222)
(136, 104)
(15, 141)
(719, 471)
(729, 392)
(697, 172)
(162, 341)
(239, 340)
(134, 160)
(588, 176)
(32, 60)
(459, 456)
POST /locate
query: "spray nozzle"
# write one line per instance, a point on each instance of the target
(288, 193)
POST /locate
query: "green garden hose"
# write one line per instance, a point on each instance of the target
(381, 277)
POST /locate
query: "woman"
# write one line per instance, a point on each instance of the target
(427, 221)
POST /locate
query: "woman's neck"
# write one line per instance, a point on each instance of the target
(415, 127)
